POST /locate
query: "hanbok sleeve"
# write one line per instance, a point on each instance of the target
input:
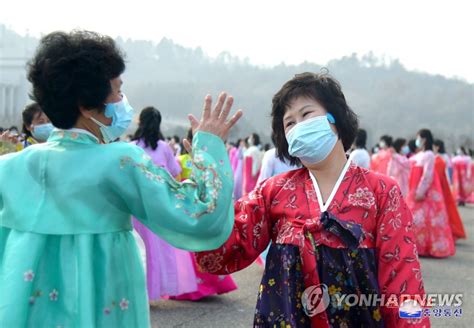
(250, 237)
(428, 174)
(194, 215)
(398, 264)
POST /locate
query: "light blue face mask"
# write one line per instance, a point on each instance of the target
(41, 132)
(418, 143)
(121, 114)
(405, 150)
(313, 139)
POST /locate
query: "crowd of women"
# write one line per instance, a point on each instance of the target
(318, 206)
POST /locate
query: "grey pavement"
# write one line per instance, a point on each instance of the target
(451, 275)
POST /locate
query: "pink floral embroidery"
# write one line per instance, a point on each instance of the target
(124, 304)
(53, 296)
(211, 262)
(362, 197)
(29, 275)
(106, 311)
(393, 200)
(287, 184)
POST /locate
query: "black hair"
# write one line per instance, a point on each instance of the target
(398, 144)
(440, 144)
(463, 150)
(72, 70)
(387, 139)
(28, 115)
(428, 136)
(256, 139)
(412, 145)
(322, 88)
(361, 139)
(149, 127)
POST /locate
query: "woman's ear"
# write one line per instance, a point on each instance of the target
(84, 112)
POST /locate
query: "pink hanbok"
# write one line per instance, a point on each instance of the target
(399, 170)
(433, 233)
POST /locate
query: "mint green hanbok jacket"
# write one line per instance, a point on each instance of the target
(67, 254)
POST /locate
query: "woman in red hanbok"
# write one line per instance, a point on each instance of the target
(335, 228)
(441, 169)
(462, 176)
(425, 199)
(380, 161)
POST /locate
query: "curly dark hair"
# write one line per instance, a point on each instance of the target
(72, 70)
(149, 127)
(324, 89)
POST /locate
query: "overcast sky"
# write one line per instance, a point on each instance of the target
(431, 36)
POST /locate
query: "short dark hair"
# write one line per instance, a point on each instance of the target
(361, 138)
(440, 144)
(149, 127)
(322, 88)
(398, 144)
(387, 139)
(428, 136)
(28, 115)
(74, 69)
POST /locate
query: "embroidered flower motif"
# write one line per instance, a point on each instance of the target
(287, 184)
(124, 304)
(32, 300)
(29, 275)
(396, 222)
(393, 200)
(53, 296)
(107, 311)
(212, 262)
(376, 314)
(285, 232)
(271, 282)
(362, 197)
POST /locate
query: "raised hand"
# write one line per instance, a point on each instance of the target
(215, 121)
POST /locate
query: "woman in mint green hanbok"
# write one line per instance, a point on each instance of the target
(67, 254)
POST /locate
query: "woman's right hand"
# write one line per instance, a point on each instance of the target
(215, 121)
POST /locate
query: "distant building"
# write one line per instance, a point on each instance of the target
(13, 90)
(15, 51)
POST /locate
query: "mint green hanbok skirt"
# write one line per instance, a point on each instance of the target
(43, 273)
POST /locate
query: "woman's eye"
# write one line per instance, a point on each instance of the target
(289, 124)
(305, 114)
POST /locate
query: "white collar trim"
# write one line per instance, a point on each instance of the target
(324, 207)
